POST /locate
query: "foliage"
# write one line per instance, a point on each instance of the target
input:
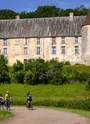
(68, 96)
(55, 69)
(88, 84)
(7, 14)
(38, 71)
(17, 73)
(4, 73)
(5, 115)
(44, 11)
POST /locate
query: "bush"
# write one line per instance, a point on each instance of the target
(70, 103)
(88, 84)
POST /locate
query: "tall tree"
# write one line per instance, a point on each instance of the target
(4, 73)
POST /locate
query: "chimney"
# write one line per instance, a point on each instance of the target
(71, 15)
(18, 17)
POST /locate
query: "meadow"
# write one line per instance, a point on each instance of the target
(68, 95)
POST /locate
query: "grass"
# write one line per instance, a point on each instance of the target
(67, 95)
(41, 93)
(71, 91)
(5, 115)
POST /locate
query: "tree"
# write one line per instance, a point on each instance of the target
(4, 73)
(7, 14)
(55, 70)
(17, 73)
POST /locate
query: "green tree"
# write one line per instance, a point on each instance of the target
(17, 73)
(55, 70)
(4, 73)
(7, 14)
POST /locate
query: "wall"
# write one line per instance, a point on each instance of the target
(16, 49)
(85, 56)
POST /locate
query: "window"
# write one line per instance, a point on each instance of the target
(76, 49)
(25, 61)
(53, 49)
(26, 42)
(53, 40)
(38, 40)
(63, 49)
(5, 51)
(25, 51)
(63, 40)
(38, 50)
(5, 42)
(76, 39)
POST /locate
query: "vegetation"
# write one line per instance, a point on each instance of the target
(42, 77)
(5, 115)
(68, 96)
(4, 73)
(38, 71)
(44, 11)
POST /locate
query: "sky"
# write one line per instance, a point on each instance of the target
(31, 5)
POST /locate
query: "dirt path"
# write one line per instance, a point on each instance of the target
(43, 116)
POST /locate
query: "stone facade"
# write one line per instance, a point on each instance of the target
(63, 39)
(25, 48)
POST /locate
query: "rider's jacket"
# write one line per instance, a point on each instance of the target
(7, 96)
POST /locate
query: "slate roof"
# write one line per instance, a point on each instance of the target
(41, 27)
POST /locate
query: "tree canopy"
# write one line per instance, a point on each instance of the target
(44, 11)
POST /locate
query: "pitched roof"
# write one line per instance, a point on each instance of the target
(41, 27)
(87, 20)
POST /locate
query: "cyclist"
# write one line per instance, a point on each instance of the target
(1, 102)
(29, 100)
(7, 100)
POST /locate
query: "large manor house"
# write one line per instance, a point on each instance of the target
(59, 38)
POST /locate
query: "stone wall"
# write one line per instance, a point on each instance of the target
(16, 49)
(85, 56)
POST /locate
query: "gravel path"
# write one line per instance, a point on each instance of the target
(43, 116)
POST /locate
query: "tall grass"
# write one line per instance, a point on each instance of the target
(70, 96)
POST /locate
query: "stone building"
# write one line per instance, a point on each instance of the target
(61, 38)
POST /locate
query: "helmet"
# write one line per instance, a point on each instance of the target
(7, 92)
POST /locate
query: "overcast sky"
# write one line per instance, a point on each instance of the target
(31, 5)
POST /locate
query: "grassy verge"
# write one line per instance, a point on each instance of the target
(5, 115)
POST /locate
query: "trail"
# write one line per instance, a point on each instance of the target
(43, 116)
